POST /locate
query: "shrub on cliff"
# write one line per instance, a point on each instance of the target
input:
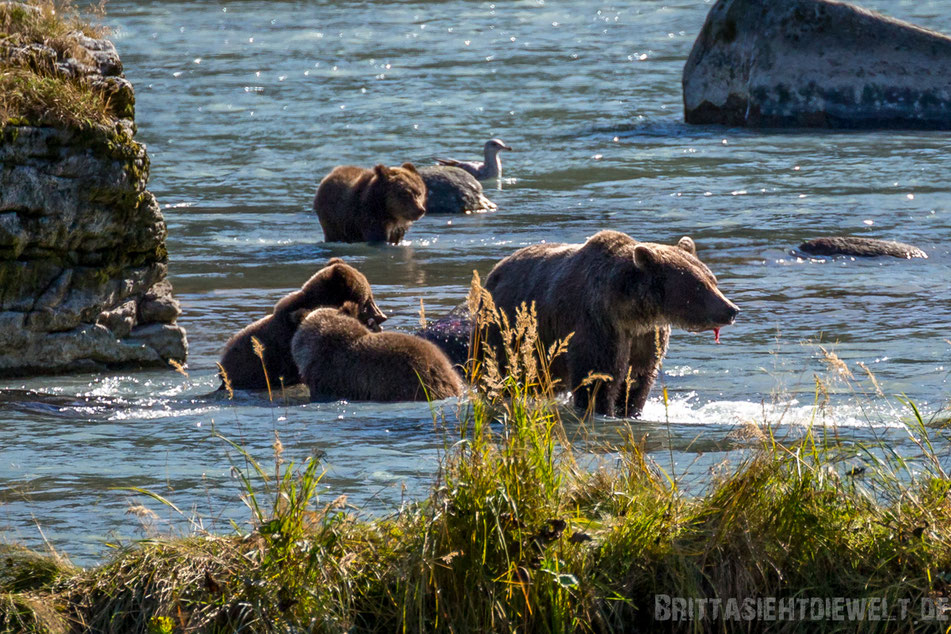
(47, 73)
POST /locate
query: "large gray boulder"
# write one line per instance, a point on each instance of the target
(451, 190)
(816, 63)
(83, 263)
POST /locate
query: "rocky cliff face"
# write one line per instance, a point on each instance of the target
(82, 241)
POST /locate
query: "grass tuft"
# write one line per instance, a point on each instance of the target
(37, 41)
(26, 578)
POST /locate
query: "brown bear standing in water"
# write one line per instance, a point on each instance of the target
(619, 297)
(339, 358)
(378, 205)
(332, 285)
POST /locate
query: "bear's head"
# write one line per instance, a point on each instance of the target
(404, 191)
(334, 285)
(334, 325)
(682, 290)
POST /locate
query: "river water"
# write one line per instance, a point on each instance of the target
(245, 105)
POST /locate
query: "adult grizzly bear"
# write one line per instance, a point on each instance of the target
(369, 205)
(619, 297)
(339, 358)
(332, 285)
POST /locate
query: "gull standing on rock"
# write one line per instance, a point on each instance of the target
(491, 168)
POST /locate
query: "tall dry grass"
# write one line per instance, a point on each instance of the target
(517, 536)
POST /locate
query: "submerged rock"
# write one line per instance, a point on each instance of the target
(815, 63)
(83, 263)
(860, 247)
(451, 333)
(451, 190)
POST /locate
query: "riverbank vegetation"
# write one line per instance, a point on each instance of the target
(41, 67)
(521, 533)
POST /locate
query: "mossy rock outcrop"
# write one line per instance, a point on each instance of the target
(83, 262)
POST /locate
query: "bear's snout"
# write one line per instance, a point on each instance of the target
(711, 313)
(723, 312)
(420, 208)
(375, 319)
(731, 312)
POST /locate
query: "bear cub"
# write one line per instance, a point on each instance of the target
(619, 297)
(339, 358)
(369, 205)
(332, 285)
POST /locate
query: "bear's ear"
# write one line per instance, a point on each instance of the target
(288, 304)
(333, 261)
(687, 244)
(350, 309)
(298, 315)
(381, 170)
(409, 167)
(643, 256)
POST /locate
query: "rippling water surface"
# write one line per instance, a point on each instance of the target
(244, 106)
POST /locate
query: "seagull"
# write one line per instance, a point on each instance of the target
(491, 168)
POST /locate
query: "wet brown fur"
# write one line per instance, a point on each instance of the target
(332, 285)
(619, 297)
(339, 358)
(369, 205)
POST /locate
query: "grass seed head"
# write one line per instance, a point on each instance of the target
(836, 364)
(227, 381)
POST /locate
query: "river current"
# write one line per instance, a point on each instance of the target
(244, 106)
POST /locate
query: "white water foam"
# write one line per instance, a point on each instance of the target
(687, 409)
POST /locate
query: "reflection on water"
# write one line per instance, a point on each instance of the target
(245, 107)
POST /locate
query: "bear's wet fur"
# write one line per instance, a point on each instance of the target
(339, 358)
(355, 204)
(619, 297)
(332, 285)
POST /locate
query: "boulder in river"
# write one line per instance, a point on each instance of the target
(451, 333)
(860, 247)
(451, 190)
(816, 63)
